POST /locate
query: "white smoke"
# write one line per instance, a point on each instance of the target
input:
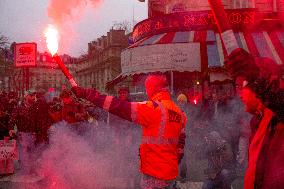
(232, 124)
(88, 157)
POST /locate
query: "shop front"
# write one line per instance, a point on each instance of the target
(188, 49)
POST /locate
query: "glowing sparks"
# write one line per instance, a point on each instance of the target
(51, 35)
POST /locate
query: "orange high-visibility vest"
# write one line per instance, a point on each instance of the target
(162, 123)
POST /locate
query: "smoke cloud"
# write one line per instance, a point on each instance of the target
(230, 121)
(65, 15)
(87, 156)
(61, 11)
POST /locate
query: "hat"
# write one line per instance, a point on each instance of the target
(182, 98)
(155, 83)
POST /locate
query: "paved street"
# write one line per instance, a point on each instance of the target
(31, 181)
(18, 181)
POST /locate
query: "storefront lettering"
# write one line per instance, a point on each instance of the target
(188, 21)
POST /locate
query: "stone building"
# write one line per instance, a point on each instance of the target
(102, 63)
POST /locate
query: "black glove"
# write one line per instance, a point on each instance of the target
(242, 63)
(79, 92)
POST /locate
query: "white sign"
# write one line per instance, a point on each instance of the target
(8, 150)
(161, 57)
(25, 54)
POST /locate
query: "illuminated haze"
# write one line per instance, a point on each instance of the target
(79, 21)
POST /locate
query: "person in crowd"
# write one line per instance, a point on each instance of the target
(221, 171)
(125, 136)
(206, 105)
(123, 93)
(183, 104)
(55, 110)
(22, 118)
(213, 106)
(235, 129)
(7, 105)
(121, 126)
(263, 83)
(41, 119)
(182, 101)
(12, 102)
(163, 129)
(4, 123)
(72, 111)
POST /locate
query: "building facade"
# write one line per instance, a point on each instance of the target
(160, 7)
(45, 75)
(102, 63)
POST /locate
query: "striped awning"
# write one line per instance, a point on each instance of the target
(177, 37)
(262, 43)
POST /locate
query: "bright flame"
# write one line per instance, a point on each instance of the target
(51, 35)
(195, 101)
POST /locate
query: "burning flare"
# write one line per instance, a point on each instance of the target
(51, 35)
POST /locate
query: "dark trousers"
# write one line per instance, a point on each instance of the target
(222, 180)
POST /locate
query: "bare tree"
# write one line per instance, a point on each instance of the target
(3, 42)
(123, 25)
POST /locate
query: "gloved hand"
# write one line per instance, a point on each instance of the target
(79, 92)
(85, 93)
(242, 63)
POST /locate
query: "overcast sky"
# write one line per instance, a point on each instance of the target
(26, 20)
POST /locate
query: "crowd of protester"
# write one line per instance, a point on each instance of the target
(216, 136)
(28, 119)
(217, 133)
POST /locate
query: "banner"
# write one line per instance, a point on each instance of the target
(164, 57)
(8, 150)
(192, 21)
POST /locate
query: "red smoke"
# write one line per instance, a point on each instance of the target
(61, 11)
(65, 14)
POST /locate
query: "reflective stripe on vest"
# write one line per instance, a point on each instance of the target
(160, 140)
(107, 102)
